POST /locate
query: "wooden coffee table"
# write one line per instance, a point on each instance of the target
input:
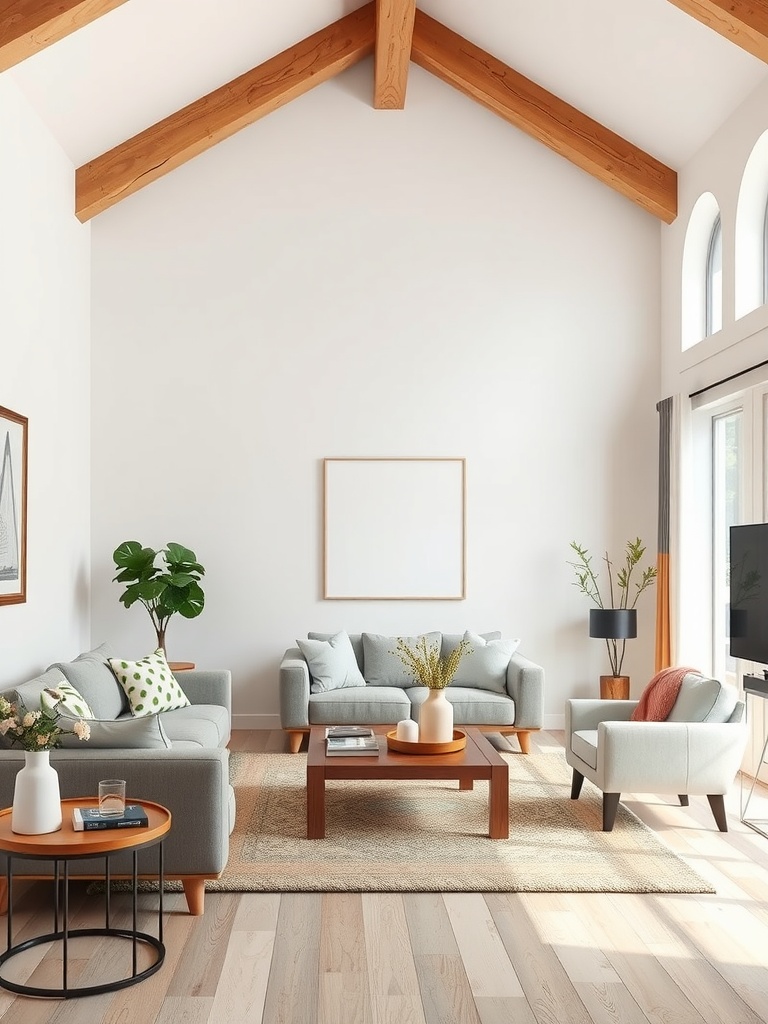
(478, 760)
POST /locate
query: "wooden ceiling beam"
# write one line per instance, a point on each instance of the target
(27, 26)
(394, 34)
(523, 103)
(744, 22)
(197, 127)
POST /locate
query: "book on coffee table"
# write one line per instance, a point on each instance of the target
(348, 730)
(346, 746)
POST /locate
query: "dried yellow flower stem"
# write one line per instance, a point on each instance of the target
(427, 666)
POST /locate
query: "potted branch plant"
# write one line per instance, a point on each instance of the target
(164, 589)
(435, 672)
(614, 621)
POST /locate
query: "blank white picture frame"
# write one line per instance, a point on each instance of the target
(394, 529)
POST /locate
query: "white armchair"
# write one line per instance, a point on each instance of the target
(696, 751)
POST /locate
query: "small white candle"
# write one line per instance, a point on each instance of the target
(408, 731)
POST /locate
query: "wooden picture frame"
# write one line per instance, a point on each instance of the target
(394, 529)
(13, 507)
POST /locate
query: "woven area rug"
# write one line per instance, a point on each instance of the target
(430, 836)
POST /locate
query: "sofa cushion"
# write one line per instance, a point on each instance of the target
(202, 725)
(64, 697)
(122, 733)
(361, 705)
(92, 677)
(471, 706)
(703, 700)
(584, 745)
(149, 684)
(356, 639)
(452, 640)
(485, 662)
(332, 663)
(382, 666)
(30, 692)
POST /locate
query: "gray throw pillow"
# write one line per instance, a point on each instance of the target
(332, 663)
(92, 677)
(484, 665)
(145, 733)
(382, 665)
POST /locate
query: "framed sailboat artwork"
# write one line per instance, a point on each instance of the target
(13, 507)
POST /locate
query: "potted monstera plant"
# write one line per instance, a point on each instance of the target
(165, 581)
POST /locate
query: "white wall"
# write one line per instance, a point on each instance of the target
(44, 375)
(337, 280)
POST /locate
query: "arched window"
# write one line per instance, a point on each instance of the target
(713, 316)
(701, 283)
(751, 238)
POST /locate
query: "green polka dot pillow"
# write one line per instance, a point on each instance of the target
(64, 697)
(149, 684)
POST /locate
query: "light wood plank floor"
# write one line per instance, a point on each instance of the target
(458, 958)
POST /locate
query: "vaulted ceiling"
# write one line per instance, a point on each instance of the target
(627, 91)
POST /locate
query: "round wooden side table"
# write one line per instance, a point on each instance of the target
(65, 846)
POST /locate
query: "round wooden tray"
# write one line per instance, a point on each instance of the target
(458, 742)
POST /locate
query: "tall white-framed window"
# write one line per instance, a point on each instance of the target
(765, 252)
(713, 281)
(728, 487)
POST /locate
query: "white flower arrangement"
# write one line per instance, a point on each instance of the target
(37, 730)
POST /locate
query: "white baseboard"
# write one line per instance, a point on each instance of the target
(256, 722)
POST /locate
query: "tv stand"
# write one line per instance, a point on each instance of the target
(756, 697)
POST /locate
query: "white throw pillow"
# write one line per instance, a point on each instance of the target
(332, 663)
(149, 684)
(64, 697)
(484, 666)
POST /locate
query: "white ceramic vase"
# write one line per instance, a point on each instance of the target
(36, 796)
(436, 718)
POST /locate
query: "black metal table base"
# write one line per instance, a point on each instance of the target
(61, 933)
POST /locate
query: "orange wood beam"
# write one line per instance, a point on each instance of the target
(27, 26)
(148, 156)
(394, 33)
(586, 143)
(744, 22)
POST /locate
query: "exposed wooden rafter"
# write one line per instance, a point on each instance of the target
(394, 33)
(27, 26)
(146, 157)
(744, 22)
(587, 143)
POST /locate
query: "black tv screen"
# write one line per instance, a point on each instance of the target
(749, 592)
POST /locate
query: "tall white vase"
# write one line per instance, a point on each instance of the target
(436, 718)
(36, 796)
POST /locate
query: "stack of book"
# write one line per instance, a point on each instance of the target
(350, 740)
(88, 819)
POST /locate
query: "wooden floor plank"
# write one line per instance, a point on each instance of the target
(344, 991)
(487, 963)
(293, 988)
(199, 968)
(392, 978)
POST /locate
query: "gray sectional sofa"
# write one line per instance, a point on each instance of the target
(497, 691)
(177, 758)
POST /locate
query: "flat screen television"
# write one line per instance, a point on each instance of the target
(749, 592)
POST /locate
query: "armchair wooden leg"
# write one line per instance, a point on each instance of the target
(683, 800)
(524, 739)
(295, 736)
(610, 806)
(717, 804)
(576, 784)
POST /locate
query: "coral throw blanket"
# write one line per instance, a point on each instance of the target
(659, 696)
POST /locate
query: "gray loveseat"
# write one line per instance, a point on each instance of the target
(177, 758)
(506, 700)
